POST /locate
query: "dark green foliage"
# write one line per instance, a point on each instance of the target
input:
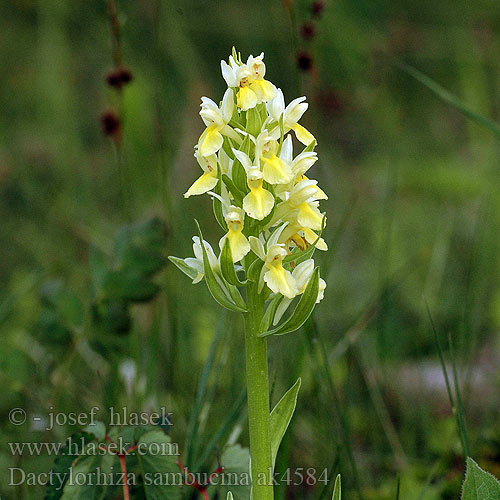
(127, 277)
(64, 461)
(61, 314)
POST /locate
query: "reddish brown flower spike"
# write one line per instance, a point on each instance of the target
(125, 76)
(119, 77)
(110, 124)
(317, 8)
(307, 31)
(304, 61)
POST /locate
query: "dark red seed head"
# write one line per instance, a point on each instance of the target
(304, 61)
(317, 8)
(125, 75)
(119, 77)
(110, 124)
(307, 31)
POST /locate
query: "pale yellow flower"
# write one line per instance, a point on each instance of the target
(291, 116)
(277, 278)
(216, 119)
(238, 242)
(208, 180)
(249, 80)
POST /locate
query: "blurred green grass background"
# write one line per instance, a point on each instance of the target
(413, 213)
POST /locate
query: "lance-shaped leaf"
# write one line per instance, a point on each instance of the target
(239, 174)
(227, 266)
(226, 298)
(302, 311)
(280, 417)
(228, 146)
(185, 268)
(231, 186)
(254, 122)
(478, 484)
(236, 297)
(217, 204)
(270, 312)
(310, 147)
(254, 270)
(337, 489)
(282, 133)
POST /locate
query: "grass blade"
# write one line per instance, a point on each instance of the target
(449, 98)
(231, 418)
(448, 385)
(201, 391)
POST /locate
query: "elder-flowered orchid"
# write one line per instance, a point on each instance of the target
(277, 278)
(259, 202)
(301, 205)
(216, 119)
(262, 199)
(252, 88)
(196, 262)
(208, 179)
(274, 168)
(269, 213)
(301, 276)
(240, 246)
(291, 116)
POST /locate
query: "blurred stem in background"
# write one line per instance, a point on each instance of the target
(116, 79)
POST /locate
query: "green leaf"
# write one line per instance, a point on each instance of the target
(254, 122)
(231, 186)
(227, 146)
(337, 489)
(253, 273)
(227, 266)
(64, 302)
(270, 312)
(98, 429)
(63, 462)
(215, 288)
(82, 489)
(236, 297)
(478, 484)
(261, 108)
(238, 172)
(180, 264)
(280, 417)
(236, 462)
(248, 147)
(302, 311)
(217, 204)
(282, 133)
(139, 248)
(156, 465)
(310, 147)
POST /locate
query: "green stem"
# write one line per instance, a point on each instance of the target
(258, 398)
